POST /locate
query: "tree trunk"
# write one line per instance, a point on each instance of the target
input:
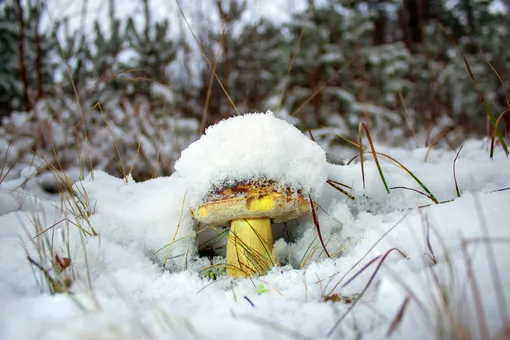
(411, 22)
(38, 60)
(379, 35)
(22, 63)
(227, 70)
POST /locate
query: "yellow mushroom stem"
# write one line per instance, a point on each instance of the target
(249, 247)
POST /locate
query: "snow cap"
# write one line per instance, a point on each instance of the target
(251, 148)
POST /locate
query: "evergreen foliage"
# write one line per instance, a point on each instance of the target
(38, 59)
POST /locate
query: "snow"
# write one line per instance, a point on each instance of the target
(249, 148)
(142, 276)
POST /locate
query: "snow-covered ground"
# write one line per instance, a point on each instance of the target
(400, 264)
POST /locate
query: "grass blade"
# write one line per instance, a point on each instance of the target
(316, 223)
(445, 132)
(355, 302)
(398, 318)
(337, 187)
(406, 169)
(494, 131)
(362, 127)
(454, 173)
(417, 191)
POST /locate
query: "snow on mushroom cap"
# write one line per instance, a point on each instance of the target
(251, 147)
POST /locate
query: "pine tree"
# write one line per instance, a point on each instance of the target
(256, 63)
(27, 76)
(10, 85)
(107, 45)
(155, 51)
(481, 35)
(340, 74)
(219, 107)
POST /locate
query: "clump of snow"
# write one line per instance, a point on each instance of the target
(146, 216)
(252, 147)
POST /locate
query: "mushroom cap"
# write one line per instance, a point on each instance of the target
(251, 148)
(253, 200)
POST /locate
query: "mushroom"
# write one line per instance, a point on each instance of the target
(249, 209)
(246, 172)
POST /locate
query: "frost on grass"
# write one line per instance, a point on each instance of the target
(252, 147)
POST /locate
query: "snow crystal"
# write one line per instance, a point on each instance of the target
(249, 147)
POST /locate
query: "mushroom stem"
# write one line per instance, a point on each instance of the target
(249, 247)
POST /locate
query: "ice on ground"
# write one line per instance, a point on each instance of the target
(251, 147)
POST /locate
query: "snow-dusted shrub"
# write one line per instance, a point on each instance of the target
(113, 134)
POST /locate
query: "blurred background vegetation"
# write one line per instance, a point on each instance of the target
(128, 96)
